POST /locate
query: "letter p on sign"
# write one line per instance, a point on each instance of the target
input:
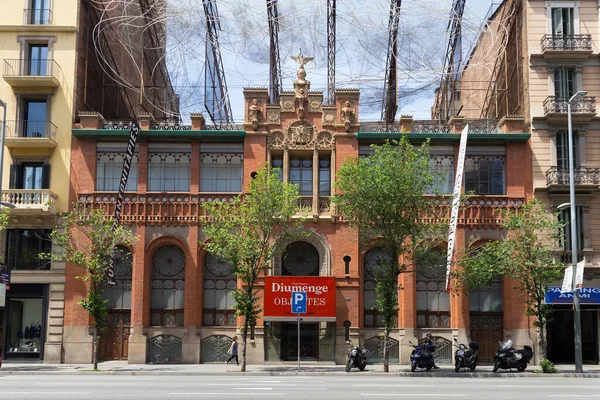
(299, 302)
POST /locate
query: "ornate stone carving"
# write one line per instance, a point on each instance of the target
(347, 114)
(301, 85)
(273, 116)
(287, 104)
(301, 135)
(254, 111)
(315, 106)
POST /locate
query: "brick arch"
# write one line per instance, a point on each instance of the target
(314, 239)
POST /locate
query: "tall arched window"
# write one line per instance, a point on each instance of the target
(219, 283)
(168, 282)
(119, 295)
(373, 259)
(433, 302)
(300, 259)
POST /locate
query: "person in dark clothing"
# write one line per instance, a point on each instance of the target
(233, 350)
(429, 342)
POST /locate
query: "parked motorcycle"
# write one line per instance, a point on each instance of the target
(422, 357)
(357, 358)
(465, 357)
(508, 357)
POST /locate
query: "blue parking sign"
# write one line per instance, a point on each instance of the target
(299, 302)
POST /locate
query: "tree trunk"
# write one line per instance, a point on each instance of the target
(95, 348)
(542, 336)
(244, 337)
(386, 341)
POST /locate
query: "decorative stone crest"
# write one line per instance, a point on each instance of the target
(254, 112)
(301, 135)
(273, 115)
(347, 114)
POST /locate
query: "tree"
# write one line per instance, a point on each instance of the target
(525, 255)
(88, 239)
(382, 196)
(246, 231)
(4, 216)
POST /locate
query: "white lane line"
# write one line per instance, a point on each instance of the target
(574, 395)
(545, 386)
(416, 394)
(395, 385)
(52, 393)
(224, 393)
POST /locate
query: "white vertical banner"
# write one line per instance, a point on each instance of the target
(567, 286)
(2, 295)
(579, 274)
(460, 166)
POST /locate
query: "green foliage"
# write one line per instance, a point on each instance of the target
(525, 255)
(87, 239)
(246, 231)
(382, 196)
(548, 367)
(4, 215)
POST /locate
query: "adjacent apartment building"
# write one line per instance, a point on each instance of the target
(50, 73)
(532, 57)
(172, 301)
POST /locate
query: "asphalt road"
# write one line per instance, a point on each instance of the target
(324, 387)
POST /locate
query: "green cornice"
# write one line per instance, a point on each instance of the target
(443, 137)
(158, 134)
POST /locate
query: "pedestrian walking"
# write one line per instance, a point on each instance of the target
(233, 351)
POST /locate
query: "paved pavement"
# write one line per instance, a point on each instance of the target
(123, 368)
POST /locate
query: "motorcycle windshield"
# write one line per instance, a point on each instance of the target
(506, 345)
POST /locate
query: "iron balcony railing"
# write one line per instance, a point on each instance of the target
(30, 67)
(582, 176)
(30, 129)
(37, 16)
(553, 104)
(567, 42)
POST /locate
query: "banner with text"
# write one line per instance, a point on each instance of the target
(460, 166)
(320, 297)
(587, 295)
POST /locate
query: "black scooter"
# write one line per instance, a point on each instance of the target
(422, 357)
(508, 357)
(357, 358)
(465, 357)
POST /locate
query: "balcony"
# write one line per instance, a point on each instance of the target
(30, 201)
(37, 16)
(586, 179)
(555, 109)
(30, 134)
(37, 73)
(573, 47)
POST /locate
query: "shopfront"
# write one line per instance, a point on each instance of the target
(25, 322)
(560, 336)
(317, 325)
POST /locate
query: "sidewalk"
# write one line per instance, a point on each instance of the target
(123, 368)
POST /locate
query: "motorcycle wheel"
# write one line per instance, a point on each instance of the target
(457, 366)
(521, 368)
(413, 367)
(428, 368)
(496, 366)
(473, 366)
(349, 365)
(362, 367)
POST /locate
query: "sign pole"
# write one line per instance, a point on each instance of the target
(298, 342)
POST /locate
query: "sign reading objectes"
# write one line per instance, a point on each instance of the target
(320, 297)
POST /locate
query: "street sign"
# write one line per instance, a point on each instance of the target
(299, 302)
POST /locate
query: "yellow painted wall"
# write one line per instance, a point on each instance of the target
(64, 17)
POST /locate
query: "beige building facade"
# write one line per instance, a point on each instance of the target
(531, 58)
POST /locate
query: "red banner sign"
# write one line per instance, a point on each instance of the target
(320, 297)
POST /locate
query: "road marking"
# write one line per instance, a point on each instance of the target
(416, 394)
(574, 395)
(53, 393)
(398, 385)
(224, 393)
(546, 386)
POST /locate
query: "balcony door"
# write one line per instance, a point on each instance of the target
(30, 176)
(38, 59)
(564, 83)
(563, 21)
(35, 118)
(40, 12)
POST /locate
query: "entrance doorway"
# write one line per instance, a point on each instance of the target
(561, 342)
(486, 328)
(114, 343)
(309, 341)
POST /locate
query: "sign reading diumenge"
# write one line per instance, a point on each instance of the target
(320, 297)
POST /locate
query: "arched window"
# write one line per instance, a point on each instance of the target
(168, 282)
(373, 259)
(433, 302)
(300, 259)
(119, 295)
(219, 284)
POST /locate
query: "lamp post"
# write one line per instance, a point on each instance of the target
(576, 309)
(3, 104)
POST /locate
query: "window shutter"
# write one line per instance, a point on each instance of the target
(46, 176)
(18, 176)
(12, 181)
